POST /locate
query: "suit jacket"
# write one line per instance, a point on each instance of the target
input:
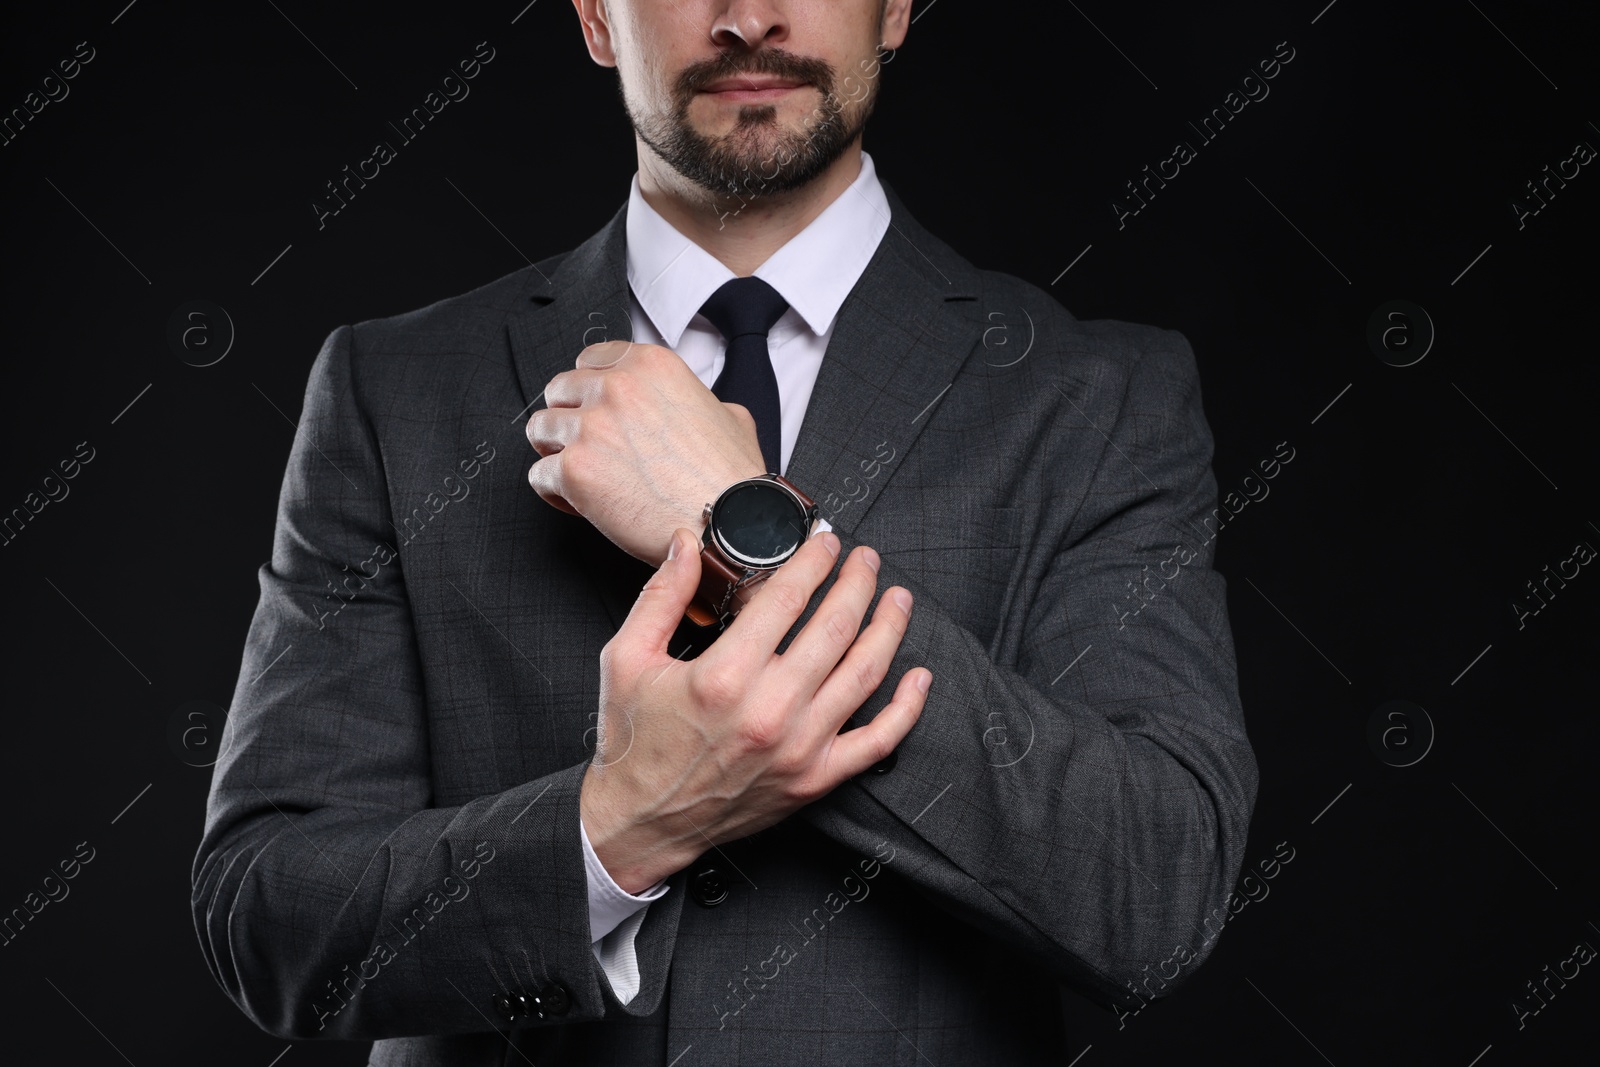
(391, 847)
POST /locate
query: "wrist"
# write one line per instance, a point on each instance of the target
(695, 513)
(632, 853)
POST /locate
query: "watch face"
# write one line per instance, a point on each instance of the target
(759, 524)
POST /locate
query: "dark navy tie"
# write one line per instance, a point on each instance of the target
(743, 310)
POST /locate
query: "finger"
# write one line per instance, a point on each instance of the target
(755, 632)
(549, 430)
(545, 478)
(854, 751)
(573, 388)
(605, 354)
(863, 669)
(833, 627)
(865, 665)
(656, 613)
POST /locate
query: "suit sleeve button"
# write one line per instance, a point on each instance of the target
(506, 1006)
(554, 999)
(708, 887)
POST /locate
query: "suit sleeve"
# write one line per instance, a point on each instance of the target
(1090, 801)
(332, 897)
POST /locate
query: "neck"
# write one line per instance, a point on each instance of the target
(741, 234)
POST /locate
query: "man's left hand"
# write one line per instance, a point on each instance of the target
(632, 441)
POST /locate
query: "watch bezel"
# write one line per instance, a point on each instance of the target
(802, 514)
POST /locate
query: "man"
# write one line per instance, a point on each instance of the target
(489, 796)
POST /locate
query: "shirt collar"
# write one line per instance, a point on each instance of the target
(672, 277)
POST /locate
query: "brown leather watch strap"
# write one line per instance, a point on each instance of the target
(718, 575)
(796, 490)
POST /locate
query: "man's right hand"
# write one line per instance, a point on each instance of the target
(695, 753)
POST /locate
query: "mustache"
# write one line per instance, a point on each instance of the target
(776, 62)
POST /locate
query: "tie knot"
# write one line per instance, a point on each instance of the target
(744, 306)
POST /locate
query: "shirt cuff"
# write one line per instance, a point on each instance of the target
(823, 526)
(609, 903)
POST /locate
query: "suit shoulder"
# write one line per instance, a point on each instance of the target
(376, 360)
(1113, 344)
(457, 324)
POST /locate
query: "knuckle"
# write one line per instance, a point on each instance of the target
(791, 766)
(806, 780)
(718, 685)
(610, 657)
(866, 677)
(621, 650)
(759, 733)
(618, 387)
(598, 355)
(802, 791)
(838, 629)
(787, 598)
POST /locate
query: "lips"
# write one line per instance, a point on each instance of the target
(748, 88)
(751, 81)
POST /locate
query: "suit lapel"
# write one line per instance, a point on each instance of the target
(584, 301)
(897, 345)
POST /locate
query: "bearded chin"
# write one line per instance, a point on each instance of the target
(757, 157)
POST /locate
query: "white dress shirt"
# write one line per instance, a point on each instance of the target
(671, 277)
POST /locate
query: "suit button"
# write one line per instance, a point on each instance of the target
(554, 1000)
(509, 1006)
(708, 887)
(887, 763)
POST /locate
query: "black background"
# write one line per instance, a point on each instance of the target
(1386, 558)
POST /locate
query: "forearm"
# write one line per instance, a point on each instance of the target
(1097, 816)
(356, 923)
(334, 894)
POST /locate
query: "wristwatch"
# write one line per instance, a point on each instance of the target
(752, 528)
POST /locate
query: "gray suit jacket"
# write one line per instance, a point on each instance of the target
(391, 847)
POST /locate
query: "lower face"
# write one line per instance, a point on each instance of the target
(748, 139)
